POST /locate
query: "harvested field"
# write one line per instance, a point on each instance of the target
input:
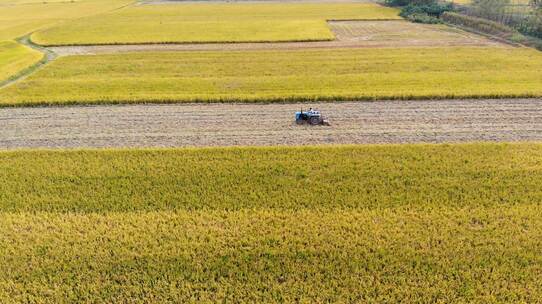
(241, 124)
(348, 34)
(403, 33)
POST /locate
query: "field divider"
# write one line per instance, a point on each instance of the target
(48, 56)
(187, 42)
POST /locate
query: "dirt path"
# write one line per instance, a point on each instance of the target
(349, 34)
(271, 124)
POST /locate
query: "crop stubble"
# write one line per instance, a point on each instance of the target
(271, 124)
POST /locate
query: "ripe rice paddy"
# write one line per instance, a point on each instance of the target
(14, 58)
(411, 223)
(251, 76)
(366, 177)
(216, 22)
(21, 17)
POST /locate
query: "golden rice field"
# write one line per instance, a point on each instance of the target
(22, 17)
(336, 224)
(248, 76)
(15, 57)
(216, 22)
(324, 178)
(18, 2)
(410, 223)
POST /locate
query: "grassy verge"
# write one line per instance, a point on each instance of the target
(349, 74)
(410, 223)
(216, 22)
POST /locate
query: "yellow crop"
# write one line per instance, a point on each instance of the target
(21, 17)
(18, 2)
(349, 74)
(455, 176)
(409, 223)
(218, 22)
(15, 57)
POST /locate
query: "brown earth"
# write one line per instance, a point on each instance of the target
(184, 125)
(349, 34)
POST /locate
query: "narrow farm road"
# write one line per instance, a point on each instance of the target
(270, 124)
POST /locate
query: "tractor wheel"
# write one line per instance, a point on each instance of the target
(314, 121)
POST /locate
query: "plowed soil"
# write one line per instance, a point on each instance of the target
(185, 125)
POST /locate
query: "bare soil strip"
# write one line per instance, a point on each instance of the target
(199, 125)
(349, 34)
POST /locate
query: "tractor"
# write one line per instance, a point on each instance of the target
(311, 117)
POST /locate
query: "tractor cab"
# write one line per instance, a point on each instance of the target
(312, 117)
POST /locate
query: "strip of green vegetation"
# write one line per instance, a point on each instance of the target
(211, 22)
(14, 58)
(412, 223)
(477, 175)
(349, 74)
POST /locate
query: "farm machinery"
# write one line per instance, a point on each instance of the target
(311, 117)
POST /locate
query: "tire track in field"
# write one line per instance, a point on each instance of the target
(197, 125)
